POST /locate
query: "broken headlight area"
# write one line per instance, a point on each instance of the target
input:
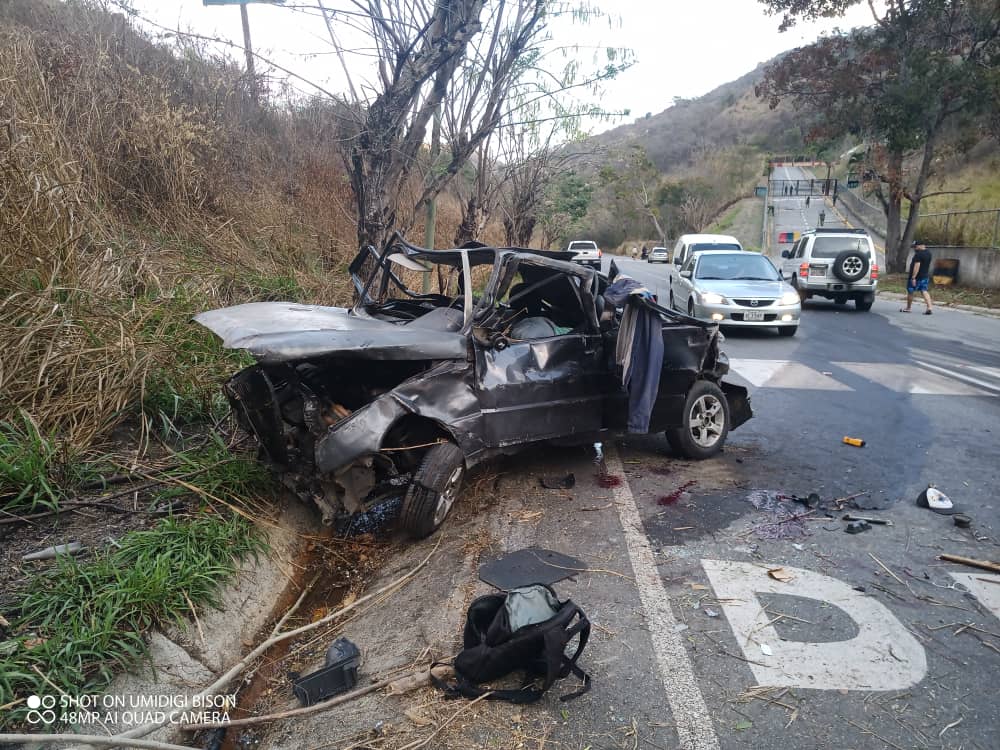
(296, 411)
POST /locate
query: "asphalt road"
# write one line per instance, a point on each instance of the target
(924, 393)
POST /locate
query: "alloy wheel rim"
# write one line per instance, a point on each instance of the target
(852, 266)
(448, 495)
(707, 421)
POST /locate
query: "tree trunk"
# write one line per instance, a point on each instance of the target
(895, 251)
(469, 228)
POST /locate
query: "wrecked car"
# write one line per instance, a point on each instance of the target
(450, 357)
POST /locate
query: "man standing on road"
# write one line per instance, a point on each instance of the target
(919, 276)
(822, 217)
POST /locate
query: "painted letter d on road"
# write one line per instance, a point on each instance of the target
(882, 656)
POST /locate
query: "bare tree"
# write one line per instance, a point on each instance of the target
(483, 58)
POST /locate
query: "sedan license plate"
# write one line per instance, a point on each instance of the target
(753, 315)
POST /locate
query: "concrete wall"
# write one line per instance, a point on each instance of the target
(977, 266)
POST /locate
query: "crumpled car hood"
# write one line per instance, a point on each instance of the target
(284, 331)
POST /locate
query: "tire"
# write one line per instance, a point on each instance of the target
(803, 296)
(863, 305)
(695, 439)
(433, 490)
(840, 301)
(850, 266)
(787, 330)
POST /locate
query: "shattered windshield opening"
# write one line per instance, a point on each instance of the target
(403, 287)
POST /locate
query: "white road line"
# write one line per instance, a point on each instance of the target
(960, 376)
(691, 717)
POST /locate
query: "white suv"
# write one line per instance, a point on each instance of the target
(587, 253)
(839, 264)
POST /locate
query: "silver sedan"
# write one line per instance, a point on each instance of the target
(735, 288)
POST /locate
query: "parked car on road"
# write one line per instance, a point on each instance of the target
(586, 253)
(403, 393)
(736, 289)
(658, 255)
(838, 264)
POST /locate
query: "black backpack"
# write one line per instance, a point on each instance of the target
(491, 650)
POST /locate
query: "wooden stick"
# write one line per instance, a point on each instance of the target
(984, 564)
(883, 566)
(89, 739)
(322, 706)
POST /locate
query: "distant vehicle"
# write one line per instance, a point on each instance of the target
(688, 244)
(658, 255)
(691, 243)
(587, 253)
(838, 264)
(734, 288)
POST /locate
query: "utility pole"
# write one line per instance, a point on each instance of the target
(248, 49)
(431, 217)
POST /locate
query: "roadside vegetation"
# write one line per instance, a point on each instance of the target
(82, 621)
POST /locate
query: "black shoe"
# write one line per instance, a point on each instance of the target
(928, 312)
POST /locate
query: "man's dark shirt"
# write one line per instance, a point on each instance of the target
(923, 258)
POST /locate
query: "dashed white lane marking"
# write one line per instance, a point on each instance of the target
(691, 717)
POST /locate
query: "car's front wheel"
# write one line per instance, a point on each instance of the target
(433, 490)
(705, 424)
(787, 330)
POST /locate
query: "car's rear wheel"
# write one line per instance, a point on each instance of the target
(705, 424)
(863, 305)
(433, 490)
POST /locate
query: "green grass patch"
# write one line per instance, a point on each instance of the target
(36, 470)
(945, 295)
(82, 621)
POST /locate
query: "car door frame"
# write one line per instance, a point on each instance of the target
(547, 387)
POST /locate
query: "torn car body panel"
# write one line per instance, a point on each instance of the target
(511, 348)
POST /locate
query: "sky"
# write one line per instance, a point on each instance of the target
(682, 48)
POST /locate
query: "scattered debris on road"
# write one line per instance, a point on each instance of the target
(527, 566)
(971, 562)
(780, 574)
(935, 500)
(867, 519)
(559, 483)
(961, 520)
(856, 442)
(857, 527)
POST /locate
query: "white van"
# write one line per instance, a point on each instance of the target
(688, 244)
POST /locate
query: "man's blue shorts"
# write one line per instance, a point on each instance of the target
(920, 285)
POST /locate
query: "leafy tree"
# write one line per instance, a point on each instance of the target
(898, 84)
(566, 202)
(634, 184)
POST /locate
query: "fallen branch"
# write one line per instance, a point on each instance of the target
(886, 569)
(241, 665)
(984, 564)
(405, 683)
(89, 739)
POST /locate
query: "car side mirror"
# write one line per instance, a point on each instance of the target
(786, 254)
(685, 274)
